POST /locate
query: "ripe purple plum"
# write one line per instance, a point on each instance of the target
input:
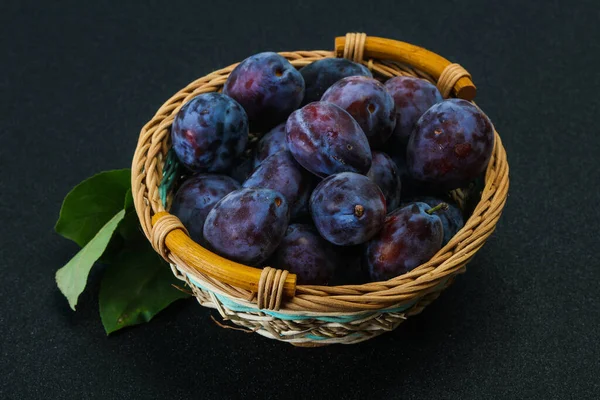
(326, 140)
(386, 175)
(282, 173)
(247, 225)
(451, 144)
(209, 132)
(268, 87)
(369, 103)
(272, 142)
(347, 208)
(410, 236)
(321, 74)
(452, 217)
(304, 253)
(412, 97)
(196, 196)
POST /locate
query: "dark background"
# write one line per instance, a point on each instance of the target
(77, 82)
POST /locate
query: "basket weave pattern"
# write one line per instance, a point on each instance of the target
(314, 315)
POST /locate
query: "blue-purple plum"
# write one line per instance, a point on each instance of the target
(209, 132)
(268, 87)
(347, 208)
(282, 173)
(272, 142)
(247, 225)
(410, 236)
(326, 140)
(305, 253)
(321, 74)
(369, 103)
(196, 196)
(412, 97)
(386, 175)
(451, 144)
(451, 217)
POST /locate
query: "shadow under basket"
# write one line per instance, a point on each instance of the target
(268, 301)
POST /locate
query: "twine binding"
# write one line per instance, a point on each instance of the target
(270, 288)
(451, 74)
(355, 46)
(165, 224)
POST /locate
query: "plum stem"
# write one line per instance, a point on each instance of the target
(441, 206)
(359, 210)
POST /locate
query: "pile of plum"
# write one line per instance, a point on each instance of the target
(349, 173)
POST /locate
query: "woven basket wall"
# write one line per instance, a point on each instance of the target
(268, 301)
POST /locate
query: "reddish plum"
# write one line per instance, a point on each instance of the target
(412, 97)
(326, 140)
(410, 236)
(369, 103)
(451, 144)
(247, 225)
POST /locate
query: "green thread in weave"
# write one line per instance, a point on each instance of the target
(170, 173)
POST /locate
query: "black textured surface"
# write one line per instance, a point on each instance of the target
(77, 81)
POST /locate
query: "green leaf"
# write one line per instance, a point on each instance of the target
(130, 228)
(92, 203)
(128, 200)
(135, 288)
(72, 278)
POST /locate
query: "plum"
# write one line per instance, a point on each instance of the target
(369, 103)
(386, 175)
(268, 87)
(325, 140)
(209, 132)
(451, 144)
(347, 208)
(452, 217)
(304, 253)
(247, 225)
(321, 74)
(281, 172)
(196, 196)
(412, 97)
(410, 236)
(272, 142)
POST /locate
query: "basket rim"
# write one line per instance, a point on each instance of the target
(147, 166)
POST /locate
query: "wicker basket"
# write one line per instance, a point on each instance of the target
(268, 301)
